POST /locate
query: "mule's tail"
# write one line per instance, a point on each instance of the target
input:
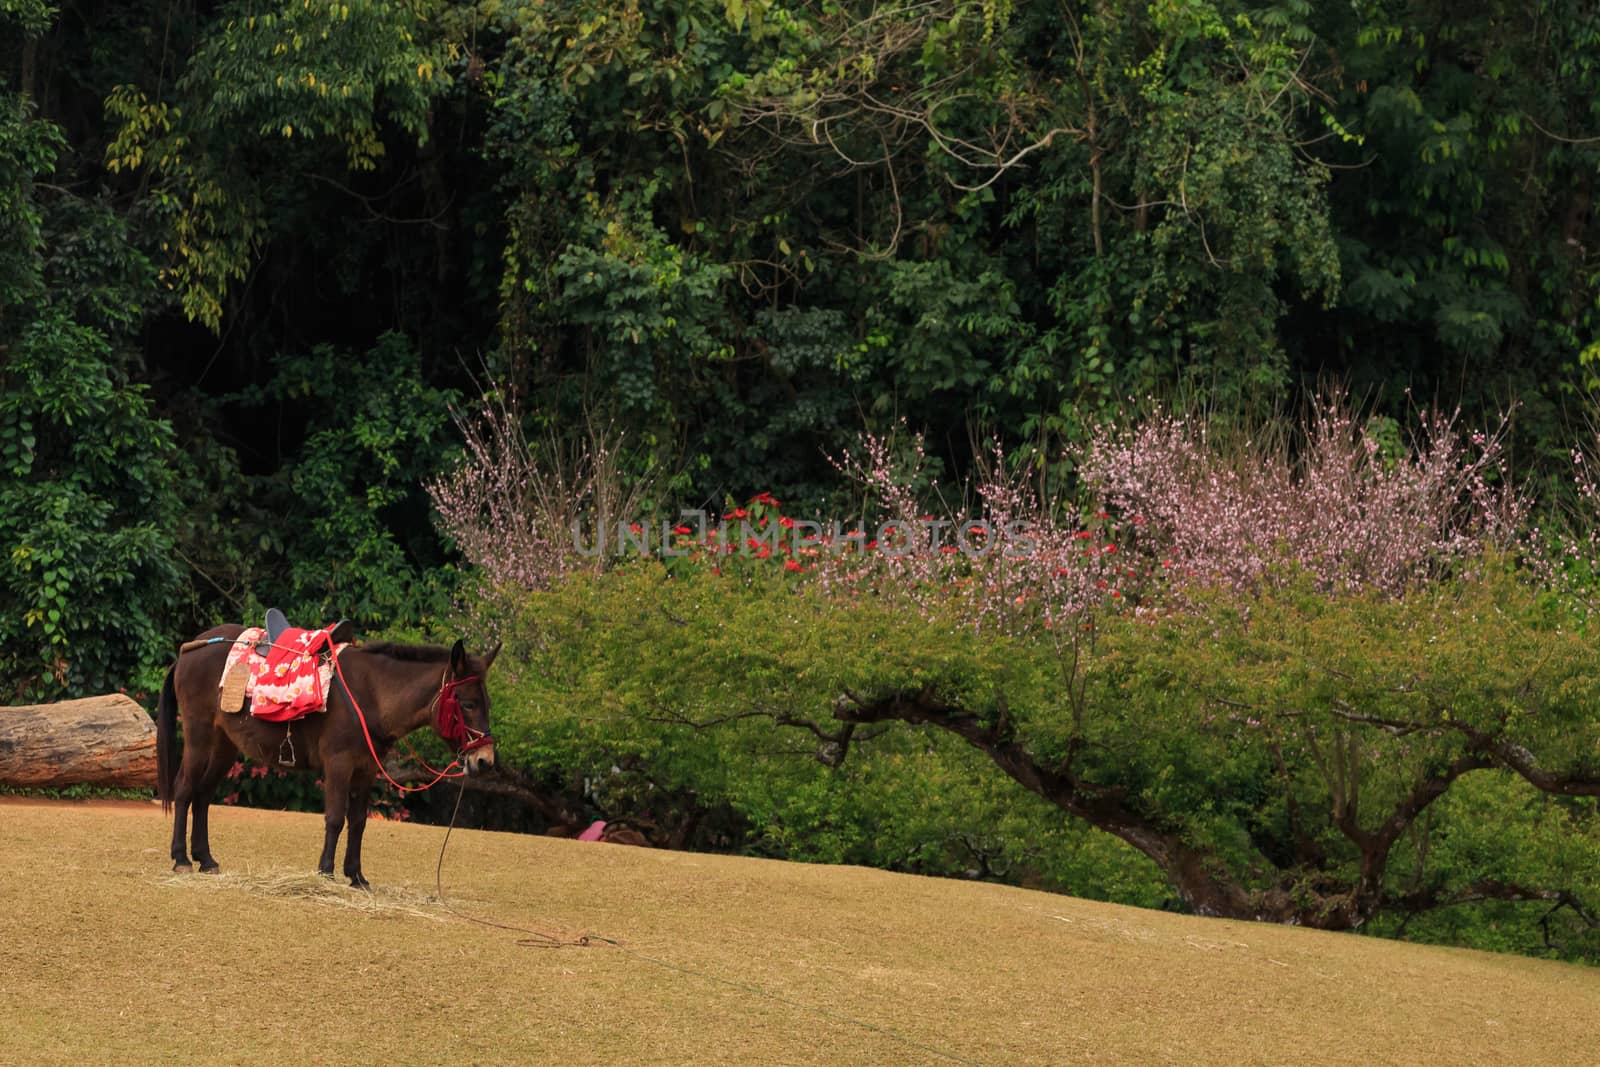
(167, 741)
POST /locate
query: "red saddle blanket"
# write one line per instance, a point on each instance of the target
(290, 681)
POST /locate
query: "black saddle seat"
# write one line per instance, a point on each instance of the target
(343, 632)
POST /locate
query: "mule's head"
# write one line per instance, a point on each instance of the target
(467, 682)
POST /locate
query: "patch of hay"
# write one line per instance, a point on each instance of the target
(379, 902)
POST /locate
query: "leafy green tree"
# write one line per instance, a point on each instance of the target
(672, 739)
(1282, 760)
(1465, 212)
(347, 503)
(88, 500)
(256, 107)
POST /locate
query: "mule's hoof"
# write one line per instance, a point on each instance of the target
(358, 882)
(210, 868)
(183, 868)
(328, 874)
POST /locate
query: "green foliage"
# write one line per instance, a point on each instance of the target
(33, 16)
(257, 80)
(85, 516)
(28, 149)
(87, 498)
(374, 431)
(1273, 735)
(320, 69)
(1502, 828)
(1464, 226)
(826, 165)
(709, 663)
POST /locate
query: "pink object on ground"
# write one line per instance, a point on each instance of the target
(594, 831)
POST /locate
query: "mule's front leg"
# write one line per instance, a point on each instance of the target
(335, 802)
(360, 795)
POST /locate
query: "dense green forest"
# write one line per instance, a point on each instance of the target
(263, 262)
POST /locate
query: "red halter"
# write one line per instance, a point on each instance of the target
(450, 724)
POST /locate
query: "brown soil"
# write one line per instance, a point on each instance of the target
(105, 956)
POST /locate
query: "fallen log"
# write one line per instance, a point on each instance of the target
(106, 741)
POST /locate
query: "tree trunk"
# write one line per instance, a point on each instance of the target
(104, 741)
(1200, 879)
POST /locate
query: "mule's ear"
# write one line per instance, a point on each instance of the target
(488, 661)
(458, 659)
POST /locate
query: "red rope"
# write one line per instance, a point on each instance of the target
(438, 776)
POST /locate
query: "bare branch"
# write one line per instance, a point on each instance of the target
(1491, 889)
(1558, 137)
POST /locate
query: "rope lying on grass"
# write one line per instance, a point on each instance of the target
(535, 938)
(540, 939)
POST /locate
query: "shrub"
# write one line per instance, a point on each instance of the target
(1270, 719)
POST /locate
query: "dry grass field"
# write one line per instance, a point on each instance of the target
(106, 957)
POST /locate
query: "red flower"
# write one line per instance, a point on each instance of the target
(792, 565)
(737, 513)
(786, 522)
(680, 530)
(1083, 535)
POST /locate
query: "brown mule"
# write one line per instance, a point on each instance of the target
(398, 689)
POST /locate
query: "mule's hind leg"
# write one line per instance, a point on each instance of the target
(219, 759)
(197, 743)
(183, 789)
